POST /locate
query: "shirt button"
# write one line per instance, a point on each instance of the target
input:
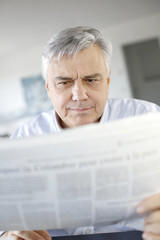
(88, 231)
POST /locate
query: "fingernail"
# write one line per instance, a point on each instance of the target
(140, 209)
(145, 236)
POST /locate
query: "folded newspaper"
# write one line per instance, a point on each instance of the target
(90, 175)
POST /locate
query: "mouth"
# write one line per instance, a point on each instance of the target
(80, 110)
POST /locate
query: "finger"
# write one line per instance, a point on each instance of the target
(153, 217)
(149, 204)
(153, 228)
(27, 235)
(150, 236)
(8, 236)
(4, 235)
(11, 236)
(44, 234)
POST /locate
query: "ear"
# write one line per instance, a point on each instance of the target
(47, 89)
(109, 78)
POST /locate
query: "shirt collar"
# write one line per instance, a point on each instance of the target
(57, 122)
(105, 115)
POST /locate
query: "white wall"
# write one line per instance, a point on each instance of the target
(27, 62)
(14, 67)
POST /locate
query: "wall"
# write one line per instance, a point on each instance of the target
(25, 62)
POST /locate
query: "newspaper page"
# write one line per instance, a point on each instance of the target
(90, 175)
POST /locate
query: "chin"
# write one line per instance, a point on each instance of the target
(81, 123)
(73, 122)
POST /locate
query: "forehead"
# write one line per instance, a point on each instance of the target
(85, 61)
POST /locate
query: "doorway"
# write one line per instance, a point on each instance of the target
(143, 64)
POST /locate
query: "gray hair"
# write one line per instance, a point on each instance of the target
(72, 40)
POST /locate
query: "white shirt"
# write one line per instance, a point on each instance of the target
(47, 122)
(115, 109)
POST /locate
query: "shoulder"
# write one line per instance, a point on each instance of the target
(40, 124)
(121, 108)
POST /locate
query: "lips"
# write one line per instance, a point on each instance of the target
(80, 109)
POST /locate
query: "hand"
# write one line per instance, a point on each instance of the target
(26, 235)
(151, 207)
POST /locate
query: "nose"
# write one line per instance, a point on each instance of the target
(79, 92)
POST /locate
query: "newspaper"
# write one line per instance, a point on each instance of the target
(90, 175)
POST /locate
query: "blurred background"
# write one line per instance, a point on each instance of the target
(25, 26)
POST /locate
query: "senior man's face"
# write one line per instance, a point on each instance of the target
(78, 87)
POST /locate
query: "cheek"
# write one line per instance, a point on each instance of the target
(104, 93)
(100, 97)
(60, 100)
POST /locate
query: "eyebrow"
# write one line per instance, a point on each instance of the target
(63, 78)
(95, 75)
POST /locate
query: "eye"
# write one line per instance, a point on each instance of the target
(91, 80)
(64, 83)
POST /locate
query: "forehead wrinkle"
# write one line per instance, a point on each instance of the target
(83, 65)
(63, 71)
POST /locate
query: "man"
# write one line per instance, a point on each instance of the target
(76, 69)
